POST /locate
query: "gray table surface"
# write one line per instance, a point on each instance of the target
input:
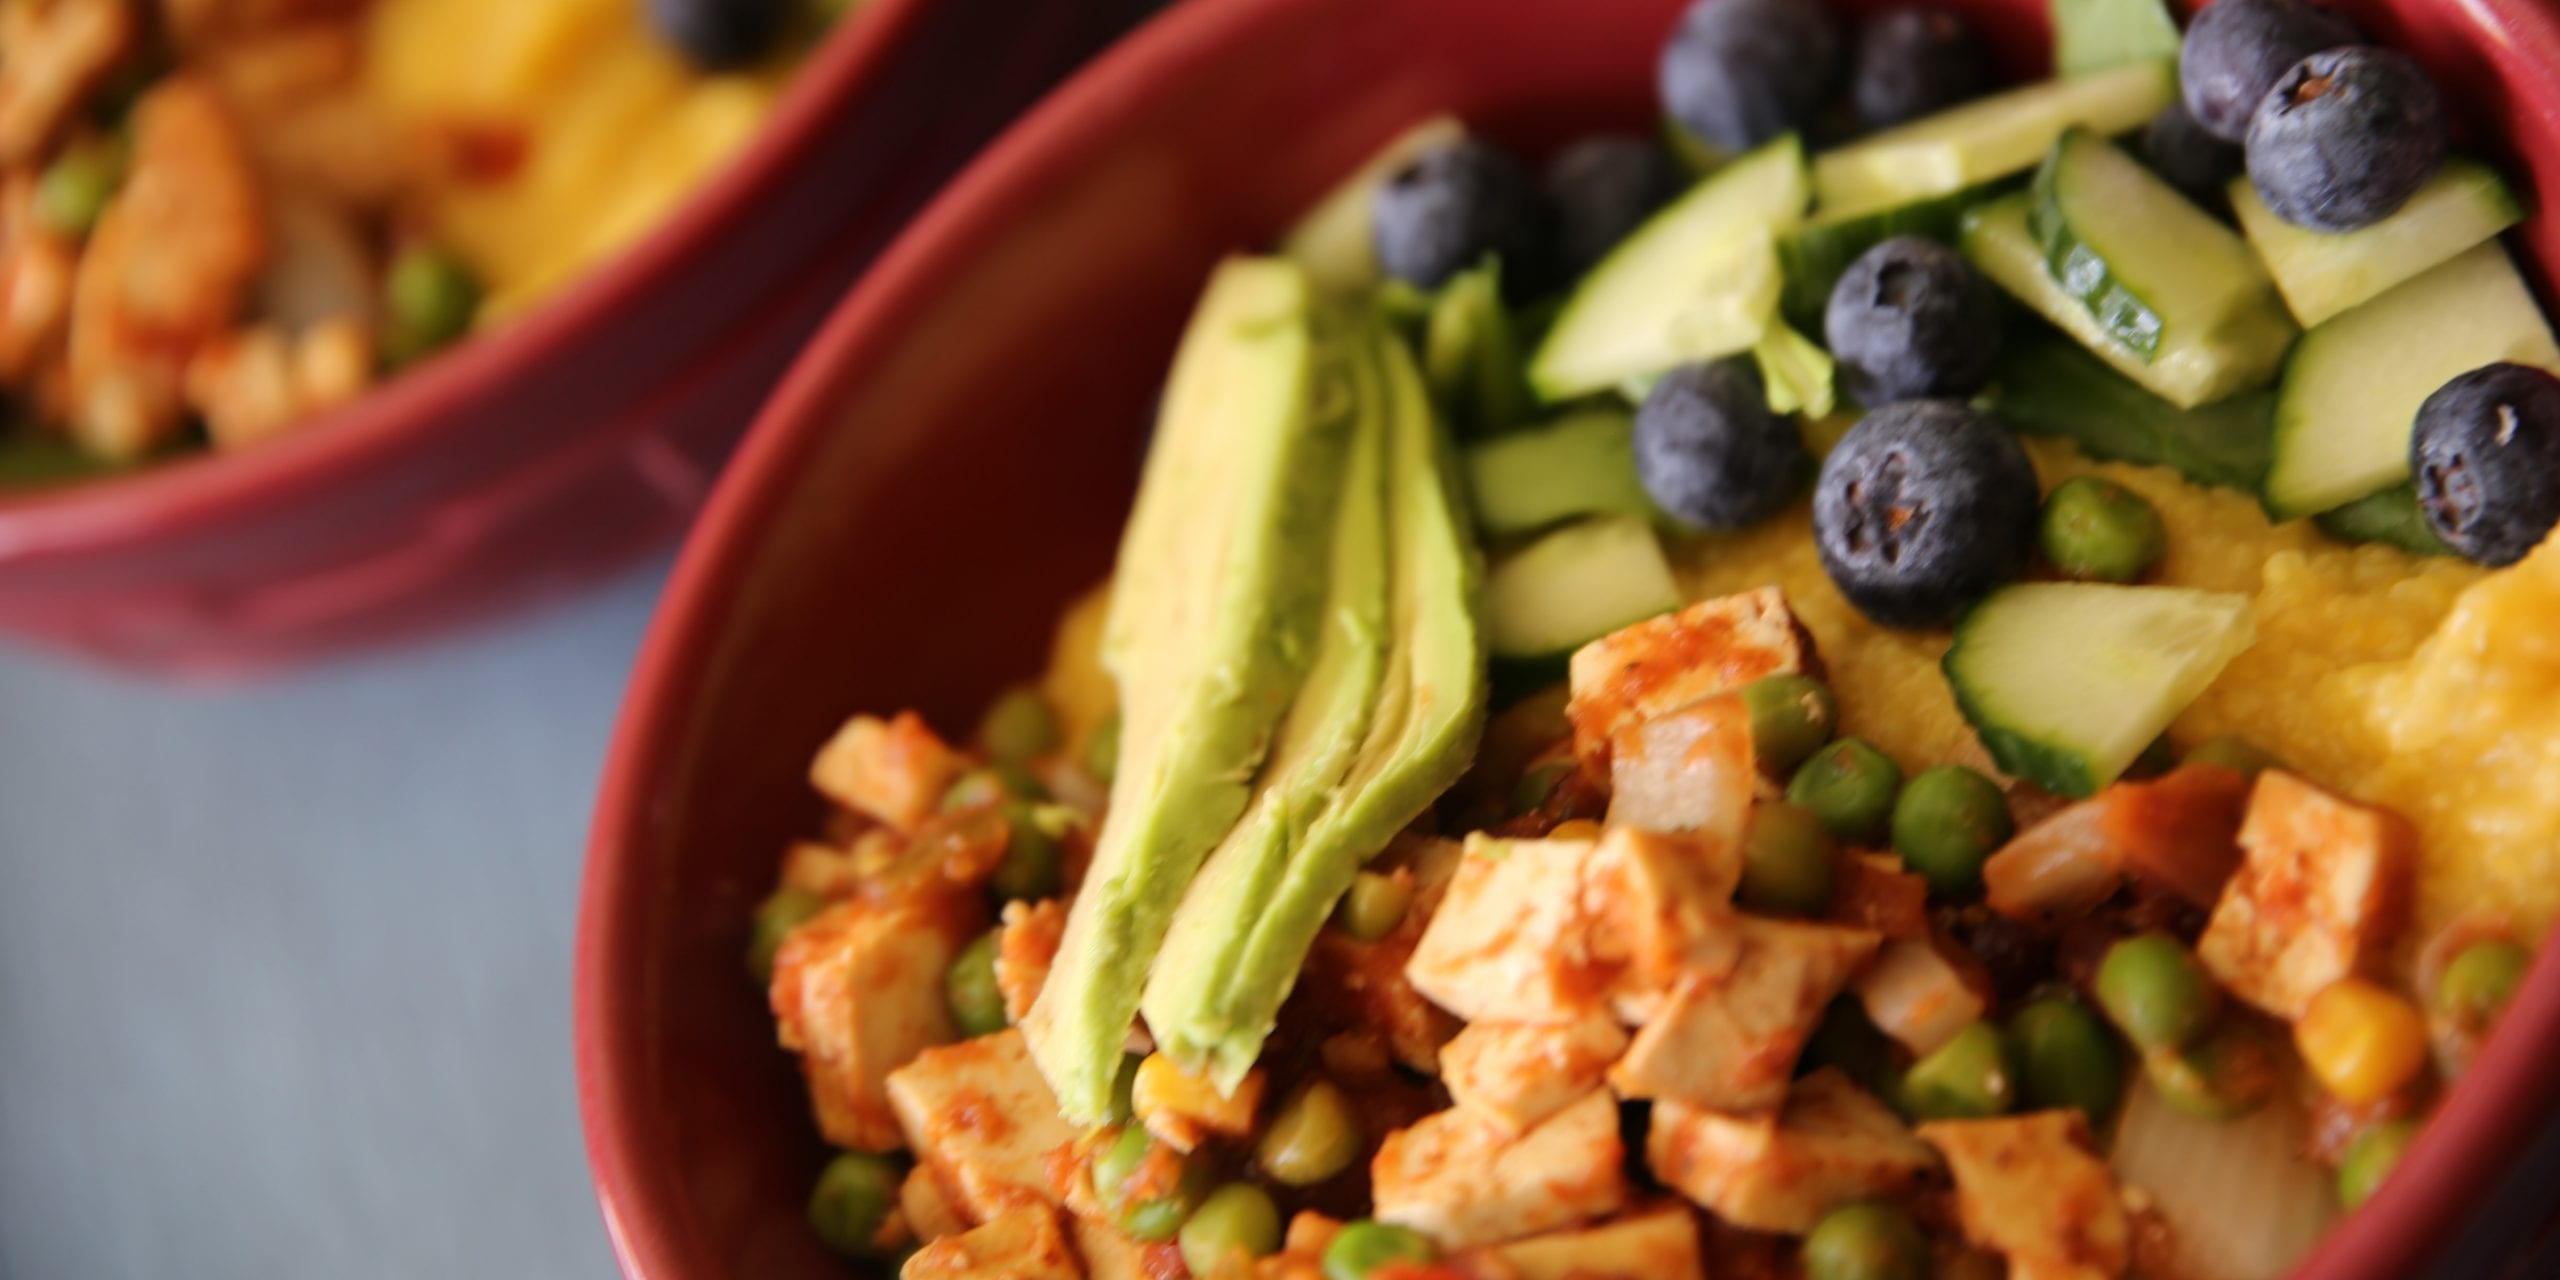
(284, 968)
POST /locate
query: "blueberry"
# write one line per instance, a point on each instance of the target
(1911, 62)
(2194, 161)
(1711, 453)
(2235, 50)
(1740, 72)
(1912, 318)
(1442, 213)
(2486, 453)
(1601, 188)
(1924, 508)
(2345, 138)
(719, 34)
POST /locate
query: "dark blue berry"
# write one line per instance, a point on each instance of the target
(1740, 72)
(1709, 451)
(1925, 507)
(1911, 62)
(2194, 161)
(718, 34)
(1601, 188)
(2236, 49)
(2486, 454)
(1911, 318)
(2346, 137)
(1452, 206)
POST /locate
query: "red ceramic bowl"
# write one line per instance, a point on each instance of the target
(575, 439)
(952, 459)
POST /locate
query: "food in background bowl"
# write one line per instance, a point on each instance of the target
(221, 217)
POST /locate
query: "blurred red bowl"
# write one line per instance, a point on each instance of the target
(951, 461)
(577, 438)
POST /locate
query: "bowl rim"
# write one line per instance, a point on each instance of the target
(163, 498)
(2463, 1152)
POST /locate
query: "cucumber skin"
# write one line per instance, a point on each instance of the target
(2048, 384)
(2124, 314)
(2056, 769)
(2390, 517)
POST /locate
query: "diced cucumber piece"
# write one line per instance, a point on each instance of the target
(1471, 357)
(1813, 256)
(1580, 465)
(1575, 585)
(1333, 240)
(1698, 280)
(1985, 139)
(2149, 266)
(2067, 682)
(2322, 274)
(2390, 517)
(2093, 35)
(2187, 370)
(2050, 385)
(2352, 389)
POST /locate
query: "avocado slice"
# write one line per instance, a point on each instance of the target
(1213, 621)
(1243, 931)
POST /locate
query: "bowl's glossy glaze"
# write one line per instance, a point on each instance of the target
(951, 460)
(582, 435)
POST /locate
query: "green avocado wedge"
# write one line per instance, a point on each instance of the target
(1214, 619)
(1246, 926)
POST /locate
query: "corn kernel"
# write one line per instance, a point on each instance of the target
(1575, 829)
(1180, 1108)
(2364, 1041)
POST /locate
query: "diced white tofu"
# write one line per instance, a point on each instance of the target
(1660, 906)
(814, 866)
(1109, 1255)
(2028, 1188)
(979, 1114)
(1728, 1040)
(1712, 647)
(1511, 942)
(1914, 994)
(1518, 1074)
(1834, 1144)
(1652, 1244)
(893, 770)
(1691, 769)
(927, 1207)
(857, 991)
(1182, 1108)
(1462, 1179)
(2323, 886)
(1023, 1243)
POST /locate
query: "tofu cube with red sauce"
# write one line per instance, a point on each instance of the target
(1710, 648)
(1025, 950)
(1728, 1038)
(857, 992)
(1660, 1243)
(2028, 1188)
(978, 1114)
(894, 771)
(1660, 906)
(1691, 769)
(1918, 996)
(1833, 1144)
(1511, 941)
(1518, 1074)
(1463, 1179)
(2322, 890)
(1023, 1243)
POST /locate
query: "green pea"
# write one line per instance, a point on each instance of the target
(429, 300)
(75, 189)
(1155, 1218)
(993, 784)
(1866, 1242)
(1967, 1078)
(1102, 750)
(1238, 1218)
(1032, 866)
(2066, 1058)
(2480, 983)
(1786, 861)
(1114, 1165)
(2155, 991)
(2237, 754)
(2231, 1072)
(853, 1198)
(1315, 1136)
(1530, 794)
(1362, 1247)
(2370, 1158)
(977, 1004)
(1374, 905)
(1850, 786)
(1019, 726)
(775, 918)
(1791, 717)
(2099, 530)
(1947, 822)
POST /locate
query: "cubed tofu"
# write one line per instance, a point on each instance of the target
(2028, 1188)
(857, 992)
(1109, 1255)
(927, 1207)
(1025, 950)
(1914, 994)
(1511, 942)
(1462, 1179)
(2322, 889)
(1691, 769)
(813, 866)
(1833, 1144)
(1023, 1243)
(980, 1116)
(1652, 1244)
(1518, 1074)
(1728, 1040)
(1711, 648)
(1660, 906)
(1182, 1108)
(893, 770)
